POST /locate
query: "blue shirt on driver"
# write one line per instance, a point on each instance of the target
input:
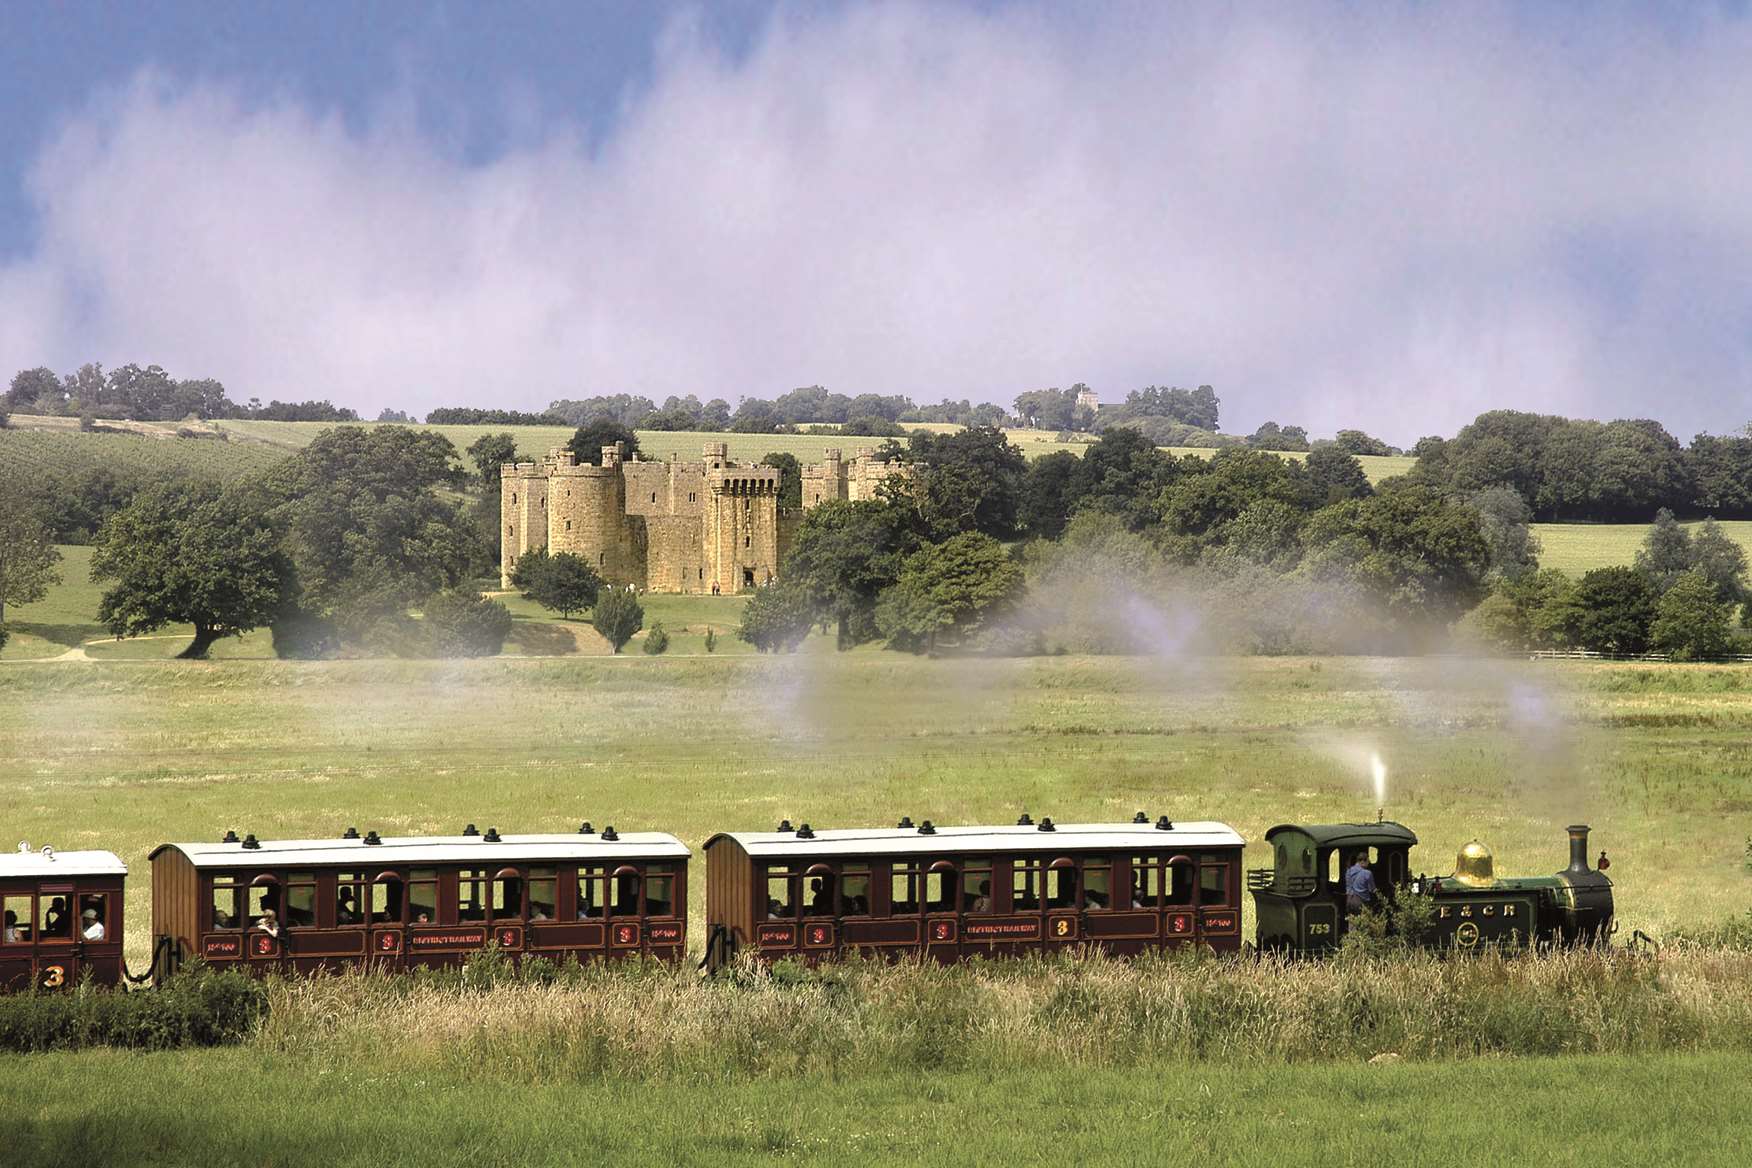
(1359, 883)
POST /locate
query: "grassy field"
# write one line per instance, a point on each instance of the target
(129, 756)
(239, 1107)
(1577, 547)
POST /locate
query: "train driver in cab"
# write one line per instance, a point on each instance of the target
(1359, 884)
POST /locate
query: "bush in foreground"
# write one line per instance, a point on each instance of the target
(200, 1007)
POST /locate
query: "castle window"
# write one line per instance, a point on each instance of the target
(601, 559)
(745, 539)
(514, 496)
(690, 496)
(510, 529)
(568, 525)
(653, 496)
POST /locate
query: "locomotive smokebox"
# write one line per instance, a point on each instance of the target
(1578, 833)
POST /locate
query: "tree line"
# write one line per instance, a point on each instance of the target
(135, 394)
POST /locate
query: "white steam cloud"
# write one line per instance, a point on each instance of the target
(1392, 217)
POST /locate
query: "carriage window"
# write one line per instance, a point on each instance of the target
(1097, 882)
(423, 896)
(659, 891)
(300, 900)
(227, 904)
(1180, 877)
(94, 916)
(855, 894)
(471, 895)
(350, 898)
(626, 893)
(263, 899)
(386, 900)
(507, 897)
(818, 893)
(590, 900)
(1213, 884)
(543, 893)
(903, 891)
(1146, 878)
(976, 890)
(1061, 886)
(18, 918)
(940, 890)
(781, 898)
(1024, 886)
(54, 919)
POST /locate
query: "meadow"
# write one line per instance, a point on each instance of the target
(1232, 1062)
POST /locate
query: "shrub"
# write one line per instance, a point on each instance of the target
(1690, 622)
(657, 640)
(617, 616)
(561, 583)
(711, 640)
(198, 1007)
(777, 618)
(461, 624)
(304, 636)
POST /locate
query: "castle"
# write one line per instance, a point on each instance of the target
(713, 526)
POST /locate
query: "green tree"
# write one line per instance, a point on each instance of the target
(617, 616)
(711, 639)
(968, 480)
(1506, 521)
(562, 583)
(30, 386)
(1497, 623)
(844, 555)
(588, 440)
(1358, 442)
(488, 453)
(790, 477)
(1666, 553)
(1692, 622)
(1718, 556)
(777, 618)
(27, 555)
(1550, 607)
(1124, 474)
(1335, 475)
(1047, 494)
(1419, 554)
(948, 591)
(466, 624)
(185, 553)
(656, 640)
(1618, 606)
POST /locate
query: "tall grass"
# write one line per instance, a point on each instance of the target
(592, 1023)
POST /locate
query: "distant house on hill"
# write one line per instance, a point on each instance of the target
(1088, 399)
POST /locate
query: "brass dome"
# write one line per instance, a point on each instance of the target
(1473, 866)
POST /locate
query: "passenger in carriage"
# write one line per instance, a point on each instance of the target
(11, 935)
(55, 920)
(91, 928)
(1138, 892)
(269, 922)
(820, 898)
(983, 902)
(347, 907)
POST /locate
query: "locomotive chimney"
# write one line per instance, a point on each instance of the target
(1578, 834)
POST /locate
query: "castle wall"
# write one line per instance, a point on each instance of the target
(523, 489)
(587, 517)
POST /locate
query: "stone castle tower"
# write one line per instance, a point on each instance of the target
(670, 526)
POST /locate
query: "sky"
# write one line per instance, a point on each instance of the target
(1387, 216)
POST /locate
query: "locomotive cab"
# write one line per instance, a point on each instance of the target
(1299, 901)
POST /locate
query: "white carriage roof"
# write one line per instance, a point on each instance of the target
(857, 841)
(47, 866)
(434, 849)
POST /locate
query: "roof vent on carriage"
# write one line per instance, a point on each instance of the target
(251, 843)
(785, 825)
(1140, 817)
(805, 832)
(471, 829)
(230, 837)
(1025, 820)
(609, 833)
(372, 839)
(927, 828)
(492, 836)
(585, 828)
(1163, 823)
(351, 833)
(905, 823)
(1046, 824)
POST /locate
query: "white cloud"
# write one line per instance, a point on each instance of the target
(1393, 219)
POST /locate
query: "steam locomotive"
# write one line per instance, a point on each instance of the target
(944, 893)
(1300, 902)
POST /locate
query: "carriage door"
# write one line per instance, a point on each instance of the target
(57, 961)
(942, 915)
(1062, 904)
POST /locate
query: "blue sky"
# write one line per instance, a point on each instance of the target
(1382, 215)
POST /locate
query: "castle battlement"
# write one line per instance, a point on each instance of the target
(714, 525)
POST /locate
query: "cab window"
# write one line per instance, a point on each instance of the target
(227, 903)
(659, 890)
(18, 915)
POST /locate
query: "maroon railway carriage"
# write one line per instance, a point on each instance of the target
(302, 905)
(957, 892)
(63, 918)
